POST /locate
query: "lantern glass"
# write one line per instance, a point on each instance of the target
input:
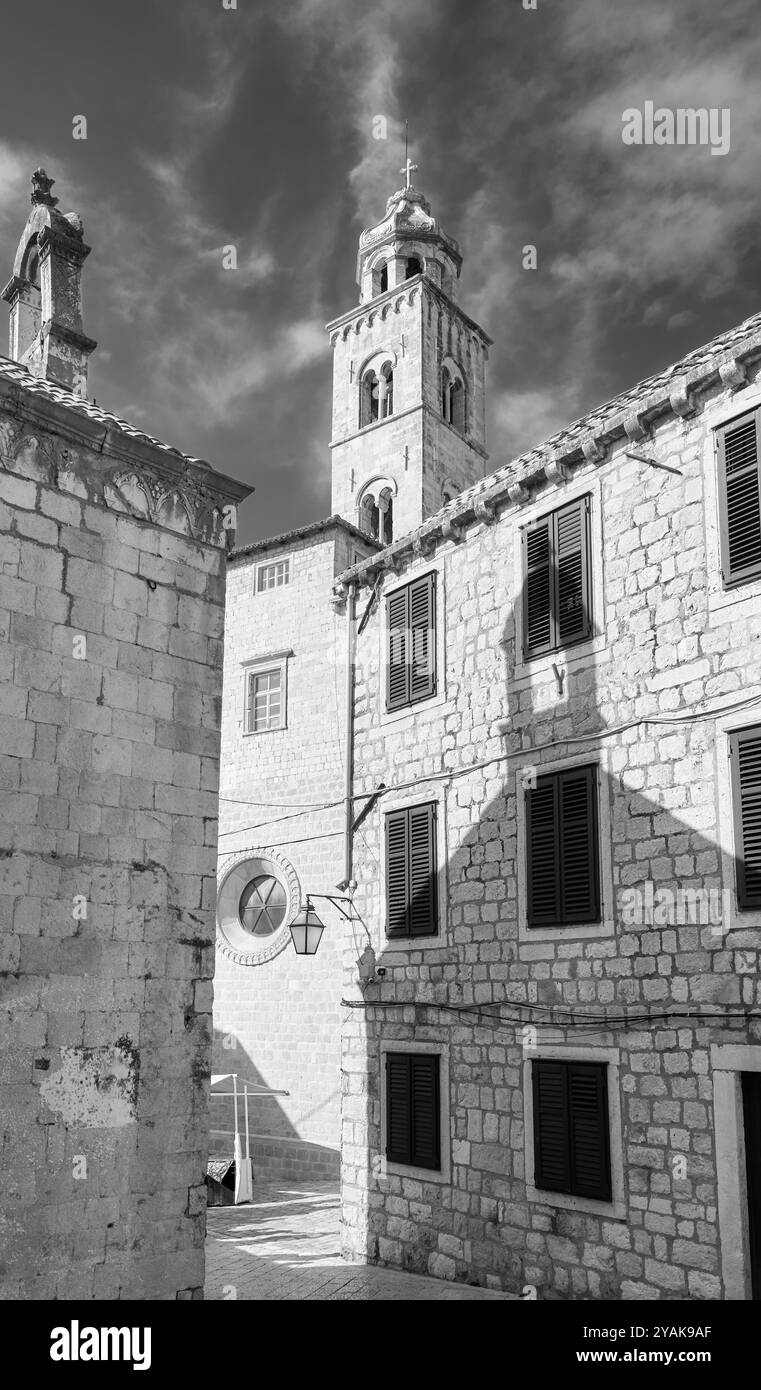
(306, 931)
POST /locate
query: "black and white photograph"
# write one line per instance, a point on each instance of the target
(380, 673)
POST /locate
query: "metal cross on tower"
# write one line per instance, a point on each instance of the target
(409, 167)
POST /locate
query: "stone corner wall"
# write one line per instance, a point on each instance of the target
(110, 698)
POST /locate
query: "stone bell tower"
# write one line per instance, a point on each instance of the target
(408, 377)
(45, 293)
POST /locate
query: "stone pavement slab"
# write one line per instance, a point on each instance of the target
(285, 1245)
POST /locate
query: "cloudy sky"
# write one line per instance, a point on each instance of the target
(253, 126)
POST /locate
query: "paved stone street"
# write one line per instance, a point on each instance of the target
(285, 1245)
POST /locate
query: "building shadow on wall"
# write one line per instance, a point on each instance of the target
(583, 911)
(275, 1144)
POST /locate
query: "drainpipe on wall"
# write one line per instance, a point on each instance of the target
(351, 646)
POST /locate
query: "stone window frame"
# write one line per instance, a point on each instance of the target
(725, 726)
(728, 1062)
(259, 666)
(606, 927)
(616, 1208)
(261, 565)
(402, 1170)
(741, 600)
(423, 795)
(233, 941)
(422, 709)
(527, 672)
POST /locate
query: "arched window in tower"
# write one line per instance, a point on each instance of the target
(369, 393)
(453, 397)
(386, 385)
(383, 278)
(376, 510)
(458, 405)
(385, 516)
(414, 267)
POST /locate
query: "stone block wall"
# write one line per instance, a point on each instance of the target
(110, 669)
(647, 699)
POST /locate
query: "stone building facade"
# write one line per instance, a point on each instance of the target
(282, 824)
(112, 590)
(552, 1082)
(408, 430)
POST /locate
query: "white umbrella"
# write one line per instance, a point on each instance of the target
(243, 1183)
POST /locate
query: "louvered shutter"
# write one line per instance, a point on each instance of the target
(562, 857)
(746, 776)
(571, 574)
(413, 1109)
(422, 870)
(426, 1121)
(557, 592)
(571, 1128)
(579, 872)
(552, 1157)
(411, 872)
(537, 586)
(398, 1108)
(740, 489)
(590, 1140)
(422, 609)
(397, 662)
(397, 877)
(543, 855)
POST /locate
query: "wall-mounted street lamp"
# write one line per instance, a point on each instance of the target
(306, 930)
(307, 927)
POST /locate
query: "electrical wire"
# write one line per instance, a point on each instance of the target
(585, 1022)
(451, 773)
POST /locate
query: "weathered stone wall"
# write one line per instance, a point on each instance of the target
(277, 1015)
(110, 664)
(668, 641)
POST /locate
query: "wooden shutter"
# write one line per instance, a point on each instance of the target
(557, 603)
(423, 885)
(411, 872)
(413, 1109)
(543, 854)
(426, 1119)
(397, 664)
(746, 778)
(423, 637)
(740, 493)
(572, 598)
(552, 1147)
(537, 588)
(397, 877)
(571, 1128)
(579, 870)
(398, 1108)
(562, 858)
(590, 1138)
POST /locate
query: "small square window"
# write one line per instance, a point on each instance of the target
(273, 575)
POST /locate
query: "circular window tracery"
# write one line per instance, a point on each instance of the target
(262, 905)
(258, 896)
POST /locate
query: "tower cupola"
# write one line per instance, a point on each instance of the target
(407, 242)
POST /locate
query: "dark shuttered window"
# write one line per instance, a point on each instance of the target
(740, 499)
(563, 869)
(571, 1128)
(745, 752)
(411, 639)
(557, 590)
(411, 874)
(413, 1109)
